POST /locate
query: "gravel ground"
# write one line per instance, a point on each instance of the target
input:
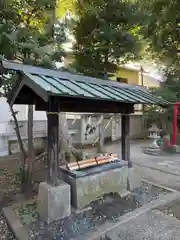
(8, 191)
(5, 233)
(110, 207)
(9, 188)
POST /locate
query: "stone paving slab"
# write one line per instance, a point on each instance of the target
(148, 226)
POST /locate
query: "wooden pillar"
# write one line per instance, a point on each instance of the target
(125, 138)
(53, 141)
(101, 135)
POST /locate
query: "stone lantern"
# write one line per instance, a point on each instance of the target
(154, 134)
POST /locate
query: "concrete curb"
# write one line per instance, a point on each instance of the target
(159, 186)
(15, 224)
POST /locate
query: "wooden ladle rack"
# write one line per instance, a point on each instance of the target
(107, 158)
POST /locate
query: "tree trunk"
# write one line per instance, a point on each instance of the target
(31, 153)
(23, 155)
(20, 142)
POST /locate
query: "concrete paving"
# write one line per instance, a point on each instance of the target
(148, 226)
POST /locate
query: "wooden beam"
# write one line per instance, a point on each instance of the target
(125, 138)
(17, 87)
(40, 105)
(23, 101)
(53, 141)
(27, 96)
(88, 105)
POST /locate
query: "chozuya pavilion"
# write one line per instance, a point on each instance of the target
(55, 91)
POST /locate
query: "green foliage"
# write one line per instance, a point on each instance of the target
(106, 33)
(161, 29)
(170, 91)
(28, 34)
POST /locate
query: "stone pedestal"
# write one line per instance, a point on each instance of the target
(53, 201)
(176, 149)
(134, 178)
(88, 186)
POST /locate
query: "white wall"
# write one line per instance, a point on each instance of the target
(39, 115)
(5, 114)
(136, 127)
(7, 131)
(22, 115)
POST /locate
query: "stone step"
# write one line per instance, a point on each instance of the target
(154, 152)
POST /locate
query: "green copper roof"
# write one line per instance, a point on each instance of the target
(49, 82)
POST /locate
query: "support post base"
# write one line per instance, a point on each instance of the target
(53, 201)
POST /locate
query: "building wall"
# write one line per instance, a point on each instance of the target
(38, 142)
(150, 82)
(8, 139)
(22, 112)
(5, 114)
(136, 127)
(131, 75)
(134, 77)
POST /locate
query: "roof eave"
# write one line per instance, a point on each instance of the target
(14, 93)
(35, 87)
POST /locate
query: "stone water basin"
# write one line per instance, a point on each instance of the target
(90, 183)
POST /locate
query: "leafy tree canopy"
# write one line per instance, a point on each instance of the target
(161, 29)
(170, 91)
(27, 32)
(106, 33)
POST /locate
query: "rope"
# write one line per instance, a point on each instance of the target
(96, 140)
